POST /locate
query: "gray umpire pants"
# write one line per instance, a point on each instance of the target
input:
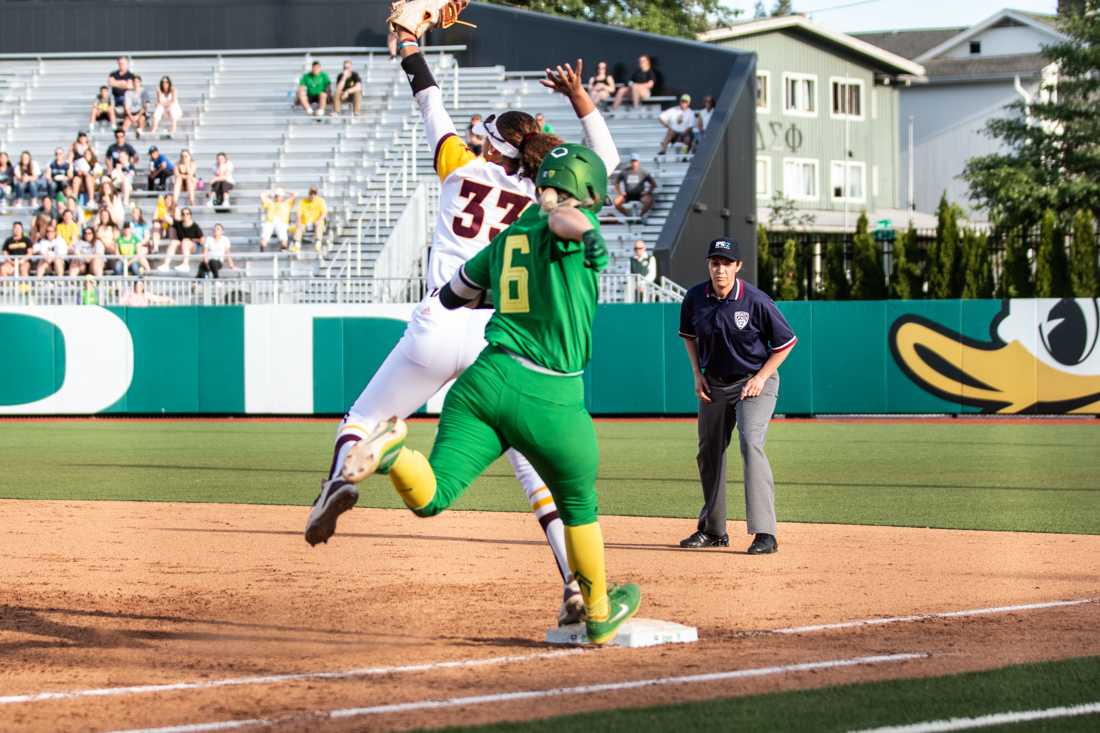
(717, 420)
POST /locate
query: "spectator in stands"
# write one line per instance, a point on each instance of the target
(217, 250)
(223, 182)
(634, 184)
(276, 206)
(141, 230)
(61, 172)
(16, 253)
(186, 236)
(136, 106)
(7, 177)
(50, 253)
(167, 104)
(39, 224)
(132, 257)
(187, 177)
(644, 264)
(160, 170)
(679, 123)
(106, 240)
(138, 297)
(546, 127)
(87, 170)
(164, 219)
(29, 184)
(601, 86)
(641, 85)
(48, 209)
(121, 80)
(76, 151)
(312, 212)
(85, 259)
(111, 201)
(703, 116)
(122, 177)
(475, 135)
(349, 87)
(89, 291)
(68, 229)
(119, 146)
(313, 89)
(103, 109)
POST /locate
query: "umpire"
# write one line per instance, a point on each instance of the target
(736, 339)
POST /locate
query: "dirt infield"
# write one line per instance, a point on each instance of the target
(210, 601)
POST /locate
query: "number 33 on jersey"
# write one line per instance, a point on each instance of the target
(477, 201)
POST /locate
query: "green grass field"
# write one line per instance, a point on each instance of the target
(863, 706)
(975, 475)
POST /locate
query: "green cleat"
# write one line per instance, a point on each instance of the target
(622, 602)
(377, 452)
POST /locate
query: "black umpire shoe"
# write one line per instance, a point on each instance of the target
(763, 544)
(702, 539)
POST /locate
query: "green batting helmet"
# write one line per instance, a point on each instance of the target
(577, 171)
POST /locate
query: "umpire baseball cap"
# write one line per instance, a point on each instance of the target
(724, 248)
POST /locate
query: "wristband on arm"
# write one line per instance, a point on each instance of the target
(420, 76)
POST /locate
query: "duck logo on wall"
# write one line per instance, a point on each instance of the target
(1041, 357)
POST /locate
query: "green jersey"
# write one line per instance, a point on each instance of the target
(543, 292)
(127, 246)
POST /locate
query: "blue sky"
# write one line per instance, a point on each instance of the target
(874, 15)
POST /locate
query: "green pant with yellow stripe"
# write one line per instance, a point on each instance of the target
(498, 403)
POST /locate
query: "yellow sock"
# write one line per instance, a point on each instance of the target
(584, 545)
(413, 478)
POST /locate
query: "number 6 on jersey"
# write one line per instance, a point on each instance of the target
(514, 299)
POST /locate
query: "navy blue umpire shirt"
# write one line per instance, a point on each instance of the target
(735, 335)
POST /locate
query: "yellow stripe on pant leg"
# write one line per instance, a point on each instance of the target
(584, 545)
(541, 503)
(413, 478)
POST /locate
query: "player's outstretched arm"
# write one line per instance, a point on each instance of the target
(567, 81)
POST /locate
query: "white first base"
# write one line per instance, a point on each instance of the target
(637, 632)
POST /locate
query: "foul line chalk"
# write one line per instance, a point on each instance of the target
(274, 679)
(985, 721)
(505, 697)
(931, 616)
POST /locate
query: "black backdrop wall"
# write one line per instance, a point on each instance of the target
(718, 195)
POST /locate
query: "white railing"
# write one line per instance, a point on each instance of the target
(403, 252)
(614, 288)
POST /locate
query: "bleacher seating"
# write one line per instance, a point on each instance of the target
(364, 166)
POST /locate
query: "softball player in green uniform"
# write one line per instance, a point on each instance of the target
(525, 390)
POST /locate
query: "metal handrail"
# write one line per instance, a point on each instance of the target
(357, 50)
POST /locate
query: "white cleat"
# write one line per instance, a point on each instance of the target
(377, 452)
(572, 609)
(337, 496)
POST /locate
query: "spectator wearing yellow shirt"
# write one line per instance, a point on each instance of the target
(69, 228)
(277, 206)
(312, 212)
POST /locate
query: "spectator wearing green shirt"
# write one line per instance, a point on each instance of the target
(546, 127)
(313, 89)
(131, 252)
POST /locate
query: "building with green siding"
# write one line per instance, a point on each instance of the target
(827, 129)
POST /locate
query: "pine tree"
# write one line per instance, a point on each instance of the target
(765, 263)
(783, 7)
(1051, 279)
(789, 274)
(978, 275)
(834, 278)
(1049, 155)
(905, 281)
(666, 17)
(1015, 280)
(759, 11)
(943, 258)
(1084, 272)
(868, 282)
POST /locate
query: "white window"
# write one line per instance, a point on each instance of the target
(800, 95)
(763, 91)
(763, 177)
(800, 179)
(848, 181)
(847, 96)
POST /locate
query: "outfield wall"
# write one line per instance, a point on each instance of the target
(870, 357)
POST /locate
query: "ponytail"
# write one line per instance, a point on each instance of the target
(519, 129)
